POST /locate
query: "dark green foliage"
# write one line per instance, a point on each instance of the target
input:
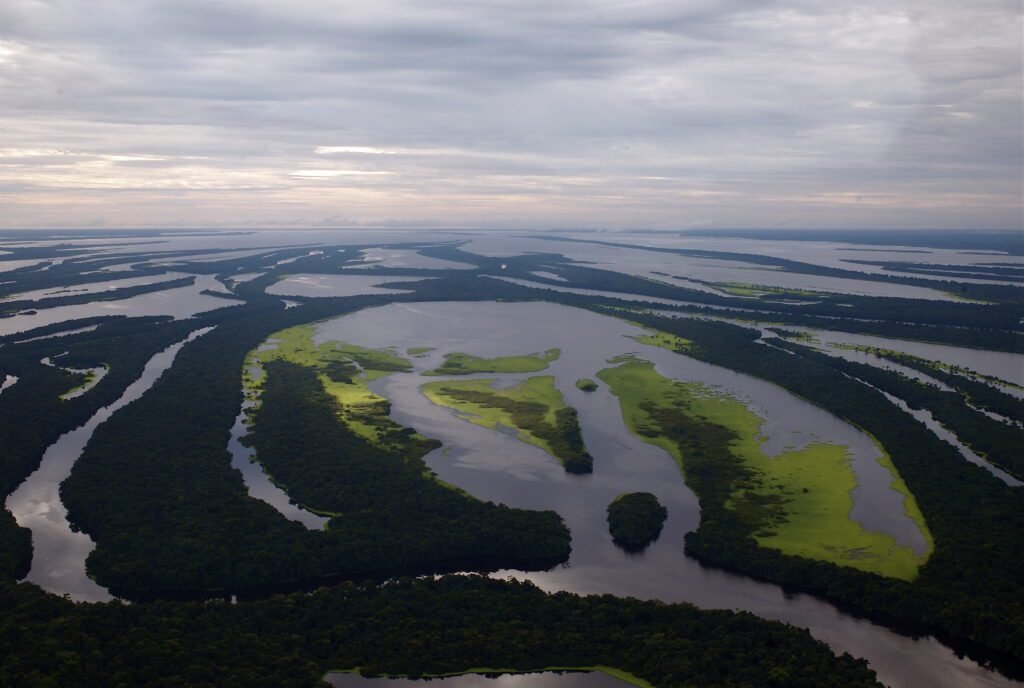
(972, 586)
(375, 488)
(11, 307)
(563, 436)
(1001, 444)
(407, 627)
(978, 393)
(200, 531)
(32, 415)
(635, 520)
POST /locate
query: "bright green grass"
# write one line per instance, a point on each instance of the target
(540, 389)
(362, 411)
(465, 364)
(664, 340)
(815, 482)
(91, 379)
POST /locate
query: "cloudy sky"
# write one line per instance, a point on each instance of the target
(511, 113)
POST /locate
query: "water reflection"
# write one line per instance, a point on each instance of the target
(58, 552)
(180, 302)
(257, 482)
(336, 285)
(497, 467)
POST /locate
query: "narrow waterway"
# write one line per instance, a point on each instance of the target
(58, 551)
(257, 482)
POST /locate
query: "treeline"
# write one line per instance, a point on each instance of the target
(156, 491)
(384, 489)
(32, 415)
(979, 272)
(9, 308)
(972, 587)
(990, 326)
(977, 393)
(408, 627)
(999, 443)
(996, 293)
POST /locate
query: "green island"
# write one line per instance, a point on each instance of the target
(466, 364)
(586, 385)
(418, 351)
(798, 502)
(344, 370)
(534, 408)
(664, 340)
(92, 377)
(635, 520)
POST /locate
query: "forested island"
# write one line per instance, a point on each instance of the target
(635, 520)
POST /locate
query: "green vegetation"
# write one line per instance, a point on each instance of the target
(410, 627)
(12, 307)
(91, 379)
(534, 408)
(156, 491)
(967, 382)
(586, 385)
(740, 289)
(798, 502)
(168, 451)
(465, 364)
(635, 520)
(997, 442)
(664, 340)
(344, 370)
(419, 350)
(972, 516)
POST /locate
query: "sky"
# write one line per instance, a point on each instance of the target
(517, 114)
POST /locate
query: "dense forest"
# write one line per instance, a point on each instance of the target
(981, 521)
(171, 519)
(635, 520)
(408, 627)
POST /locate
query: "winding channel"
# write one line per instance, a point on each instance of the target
(58, 551)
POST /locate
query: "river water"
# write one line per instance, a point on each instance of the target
(58, 552)
(495, 466)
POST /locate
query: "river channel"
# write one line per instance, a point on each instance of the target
(58, 551)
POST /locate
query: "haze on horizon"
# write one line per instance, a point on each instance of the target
(652, 113)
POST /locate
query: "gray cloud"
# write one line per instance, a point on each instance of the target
(654, 113)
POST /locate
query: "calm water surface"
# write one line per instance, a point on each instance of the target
(58, 552)
(497, 467)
